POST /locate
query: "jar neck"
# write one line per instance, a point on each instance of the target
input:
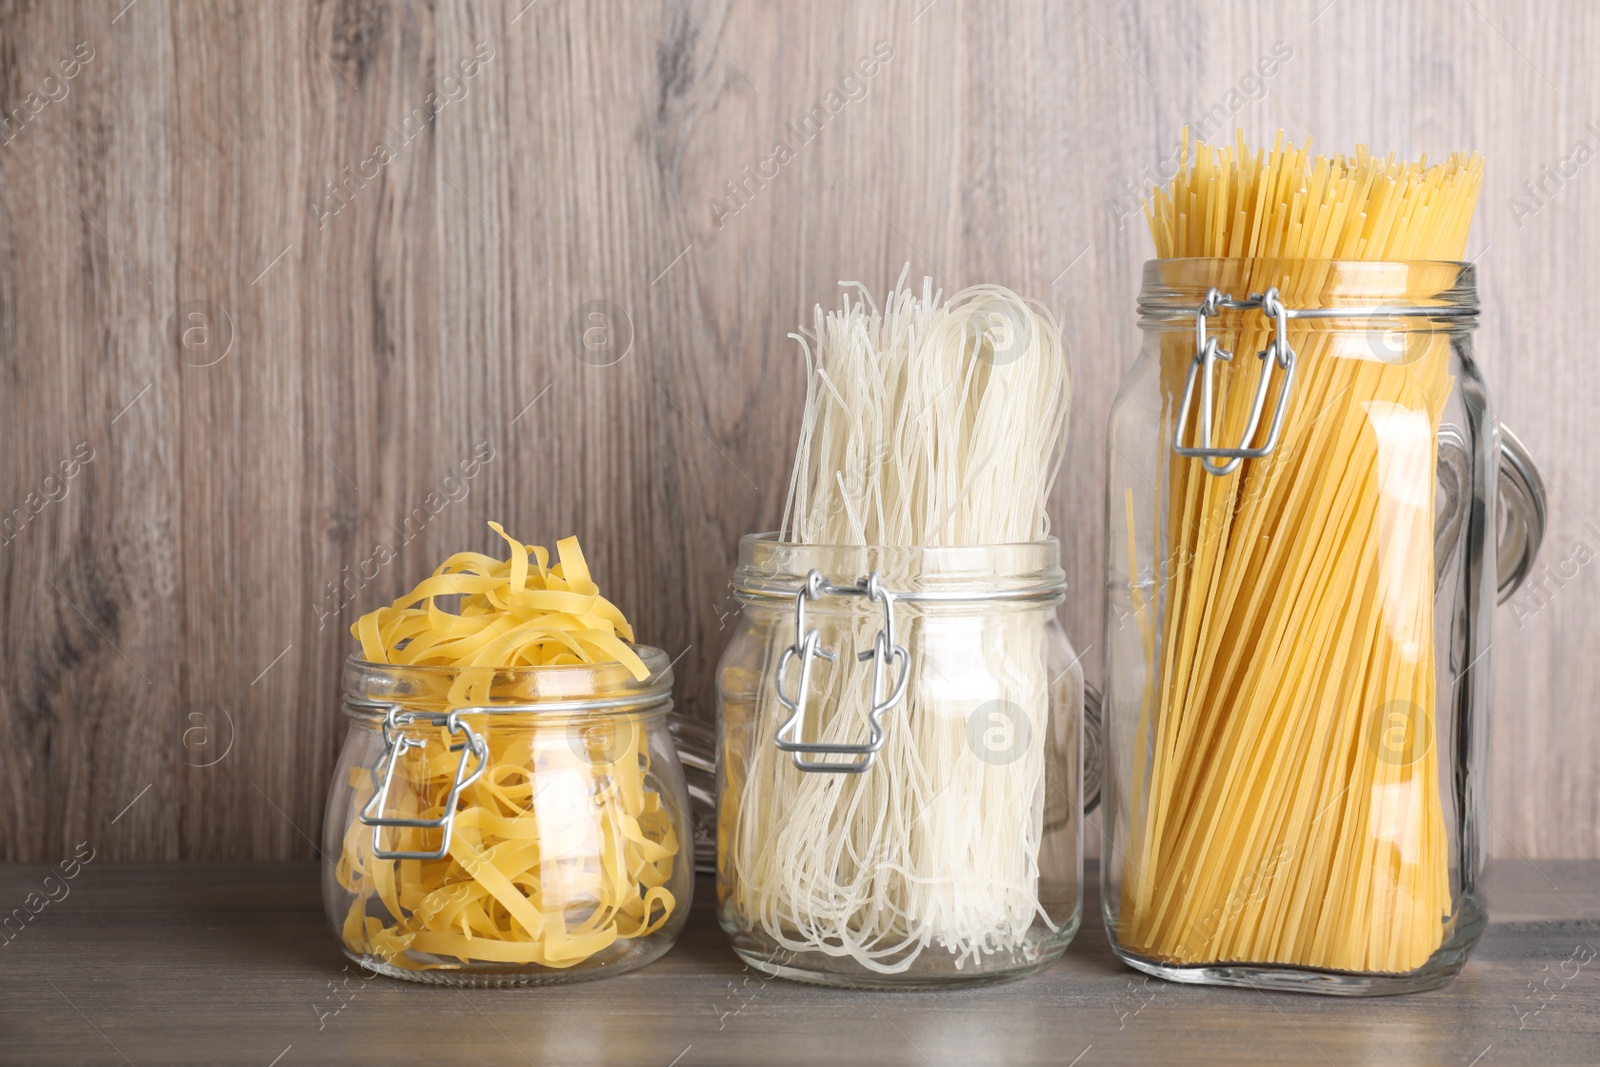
(1029, 570)
(571, 689)
(1174, 288)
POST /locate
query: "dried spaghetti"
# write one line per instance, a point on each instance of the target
(1285, 805)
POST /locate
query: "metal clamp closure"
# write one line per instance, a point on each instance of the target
(395, 744)
(885, 655)
(1222, 460)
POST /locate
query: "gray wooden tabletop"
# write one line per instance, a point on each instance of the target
(232, 963)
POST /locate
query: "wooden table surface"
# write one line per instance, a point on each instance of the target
(232, 963)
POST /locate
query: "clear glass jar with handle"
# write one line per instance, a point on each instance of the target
(495, 827)
(900, 796)
(1302, 567)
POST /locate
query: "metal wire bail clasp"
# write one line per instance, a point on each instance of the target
(1220, 460)
(395, 744)
(885, 654)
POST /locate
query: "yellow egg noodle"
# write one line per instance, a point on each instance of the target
(1285, 804)
(928, 423)
(559, 849)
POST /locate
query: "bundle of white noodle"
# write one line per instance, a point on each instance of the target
(926, 424)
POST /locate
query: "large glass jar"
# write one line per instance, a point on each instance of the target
(1301, 576)
(899, 790)
(507, 827)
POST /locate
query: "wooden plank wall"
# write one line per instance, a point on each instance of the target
(271, 273)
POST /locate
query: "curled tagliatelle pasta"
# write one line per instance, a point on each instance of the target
(560, 848)
(511, 615)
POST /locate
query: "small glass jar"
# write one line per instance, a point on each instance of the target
(900, 800)
(508, 827)
(1301, 578)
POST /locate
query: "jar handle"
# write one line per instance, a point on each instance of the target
(1522, 496)
(697, 751)
(1522, 507)
(1093, 739)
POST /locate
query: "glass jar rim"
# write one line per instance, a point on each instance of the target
(771, 568)
(1307, 259)
(1175, 287)
(581, 688)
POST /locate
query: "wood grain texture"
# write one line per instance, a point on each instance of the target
(234, 964)
(396, 263)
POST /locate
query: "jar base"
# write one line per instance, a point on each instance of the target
(511, 977)
(928, 973)
(1445, 963)
(887, 983)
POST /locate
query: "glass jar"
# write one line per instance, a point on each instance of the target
(697, 751)
(492, 827)
(899, 787)
(1301, 577)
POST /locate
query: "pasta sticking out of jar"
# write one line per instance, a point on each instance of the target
(1301, 572)
(901, 794)
(508, 808)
